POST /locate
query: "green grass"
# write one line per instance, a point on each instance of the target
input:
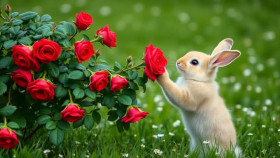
(250, 86)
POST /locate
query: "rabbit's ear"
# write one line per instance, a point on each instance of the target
(225, 44)
(223, 58)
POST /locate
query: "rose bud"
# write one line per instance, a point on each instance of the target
(133, 115)
(22, 77)
(8, 9)
(46, 50)
(99, 81)
(24, 58)
(83, 50)
(129, 59)
(41, 90)
(72, 113)
(155, 62)
(83, 20)
(8, 139)
(118, 83)
(109, 37)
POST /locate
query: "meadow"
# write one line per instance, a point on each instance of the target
(250, 85)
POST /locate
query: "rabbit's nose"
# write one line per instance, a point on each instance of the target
(178, 63)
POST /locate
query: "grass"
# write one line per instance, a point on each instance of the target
(250, 85)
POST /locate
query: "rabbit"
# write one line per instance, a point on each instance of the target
(195, 94)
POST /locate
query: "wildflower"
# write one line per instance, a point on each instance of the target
(46, 151)
(154, 126)
(171, 134)
(268, 102)
(176, 123)
(143, 146)
(250, 134)
(124, 154)
(157, 151)
(160, 135)
(263, 126)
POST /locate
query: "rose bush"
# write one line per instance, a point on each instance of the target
(52, 79)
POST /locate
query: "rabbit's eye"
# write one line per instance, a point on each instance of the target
(194, 62)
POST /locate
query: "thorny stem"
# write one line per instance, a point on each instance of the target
(76, 32)
(131, 68)
(96, 39)
(9, 96)
(70, 96)
(90, 71)
(5, 121)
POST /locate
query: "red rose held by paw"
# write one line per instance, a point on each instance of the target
(83, 50)
(72, 113)
(109, 37)
(155, 62)
(41, 90)
(22, 77)
(133, 115)
(8, 139)
(46, 50)
(118, 83)
(83, 20)
(24, 58)
(99, 81)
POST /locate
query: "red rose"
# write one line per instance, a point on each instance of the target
(46, 50)
(24, 58)
(118, 83)
(83, 20)
(41, 90)
(22, 77)
(83, 50)
(155, 62)
(72, 113)
(134, 115)
(109, 37)
(8, 139)
(99, 81)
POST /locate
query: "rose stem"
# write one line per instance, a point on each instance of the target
(70, 96)
(44, 74)
(99, 38)
(76, 32)
(9, 97)
(137, 66)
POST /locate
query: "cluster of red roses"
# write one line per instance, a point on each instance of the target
(29, 58)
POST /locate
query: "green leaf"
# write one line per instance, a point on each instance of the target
(121, 112)
(9, 44)
(117, 66)
(13, 125)
(4, 78)
(28, 15)
(43, 119)
(96, 116)
(17, 22)
(25, 41)
(50, 125)
(20, 120)
(120, 126)
(85, 37)
(90, 94)
(56, 116)
(133, 85)
(60, 91)
(63, 69)
(109, 101)
(132, 75)
(124, 99)
(56, 136)
(46, 18)
(69, 28)
(112, 115)
(53, 70)
(78, 123)
(101, 67)
(5, 62)
(64, 125)
(63, 78)
(7, 110)
(78, 93)
(45, 110)
(14, 14)
(88, 122)
(3, 88)
(75, 75)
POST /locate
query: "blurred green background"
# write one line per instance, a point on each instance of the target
(250, 85)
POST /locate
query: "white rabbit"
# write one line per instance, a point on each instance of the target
(195, 94)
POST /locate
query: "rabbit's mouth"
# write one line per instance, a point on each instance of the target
(180, 67)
